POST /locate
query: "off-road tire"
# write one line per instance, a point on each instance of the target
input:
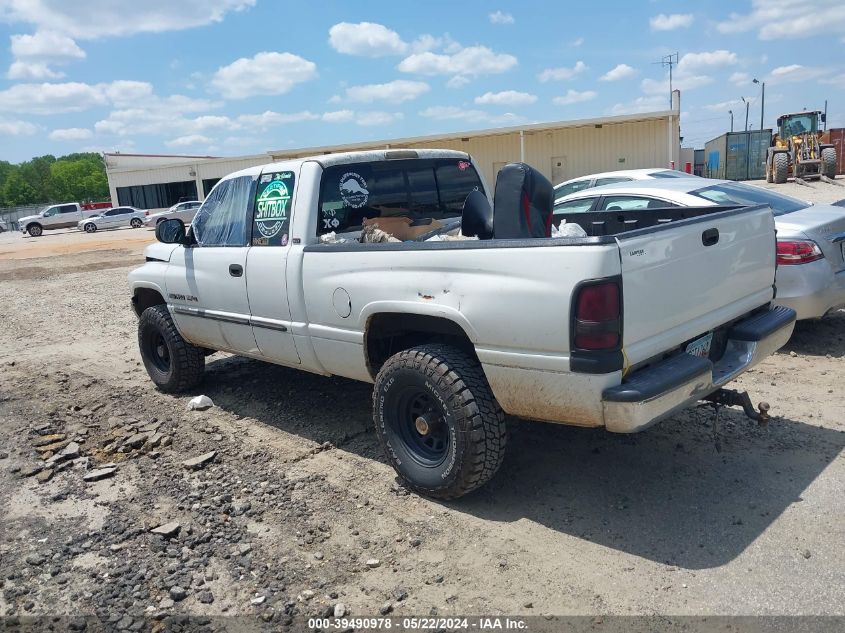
(829, 162)
(780, 167)
(769, 171)
(34, 230)
(186, 362)
(135, 223)
(464, 404)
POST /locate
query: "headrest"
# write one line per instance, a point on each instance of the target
(477, 217)
(522, 206)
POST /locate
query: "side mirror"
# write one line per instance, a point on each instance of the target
(171, 231)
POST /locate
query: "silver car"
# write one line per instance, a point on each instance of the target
(810, 238)
(112, 219)
(184, 211)
(610, 177)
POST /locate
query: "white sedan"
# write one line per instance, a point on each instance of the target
(112, 219)
(810, 237)
(610, 177)
(184, 211)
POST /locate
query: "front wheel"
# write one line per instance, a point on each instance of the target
(780, 164)
(135, 223)
(173, 364)
(438, 422)
(829, 162)
(90, 227)
(34, 230)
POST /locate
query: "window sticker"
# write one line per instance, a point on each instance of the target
(463, 165)
(353, 190)
(272, 209)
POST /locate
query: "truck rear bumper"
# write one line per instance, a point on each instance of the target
(658, 391)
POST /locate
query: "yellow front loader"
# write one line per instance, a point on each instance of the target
(800, 150)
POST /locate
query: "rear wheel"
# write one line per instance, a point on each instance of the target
(780, 165)
(769, 177)
(34, 230)
(829, 162)
(172, 363)
(438, 422)
(135, 223)
(90, 227)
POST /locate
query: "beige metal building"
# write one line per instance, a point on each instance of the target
(560, 150)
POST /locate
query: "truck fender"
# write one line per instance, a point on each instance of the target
(425, 307)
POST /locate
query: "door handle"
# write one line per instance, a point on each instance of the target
(710, 237)
(236, 270)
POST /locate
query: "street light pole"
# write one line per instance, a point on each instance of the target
(762, 100)
(746, 112)
(731, 112)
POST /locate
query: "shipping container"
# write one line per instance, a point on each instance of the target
(837, 137)
(737, 155)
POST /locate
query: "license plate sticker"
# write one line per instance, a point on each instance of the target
(701, 346)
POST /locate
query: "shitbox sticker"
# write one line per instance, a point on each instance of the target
(272, 209)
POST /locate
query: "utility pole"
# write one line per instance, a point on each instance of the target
(671, 61)
(747, 104)
(762, 100)
(731, 112)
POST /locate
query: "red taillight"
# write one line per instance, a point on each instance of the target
(597, 316)
(797, 252)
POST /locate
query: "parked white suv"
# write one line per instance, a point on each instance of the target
(473, 313)
(184, 211)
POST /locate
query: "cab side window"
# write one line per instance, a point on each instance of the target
(68, 208)
(222, 219)
(632, 203)
(582, 205)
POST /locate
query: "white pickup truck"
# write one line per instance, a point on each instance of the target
(57, 216)
(300, 263)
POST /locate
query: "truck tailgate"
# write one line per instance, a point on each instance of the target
(683, 279)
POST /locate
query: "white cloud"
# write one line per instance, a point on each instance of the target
(501, 18)
(52, 98)
(795, 73)
(640, 104)
(454, 113)
(622, 71)
(9, 127)
(506, 97)
(339, 116)
(189, 140)
(694, 62)
(739, 78)
(778, 19)
(687, 82)
(458, 81)
(366, 39)
(835, 80)
(263, 74)
(396, 91)
(576, 42)
(88, 21)
(465, 62)
(269, 118)
(561, 74)
(574, 96)
(378, 118)
(71, 134)
(723, 105)
(35, 53)
(663, 22)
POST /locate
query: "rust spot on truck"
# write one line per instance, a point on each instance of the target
(426, 297)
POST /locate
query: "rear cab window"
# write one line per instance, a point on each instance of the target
(405, 198)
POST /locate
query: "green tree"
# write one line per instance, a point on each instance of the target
(36, 173)
(16, 191)
(77, 180)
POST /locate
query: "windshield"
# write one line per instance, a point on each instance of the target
(736, 193)
(799, 124)
(670, 173)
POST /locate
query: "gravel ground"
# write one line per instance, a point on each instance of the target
(292, 512)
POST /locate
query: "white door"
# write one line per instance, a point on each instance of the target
(266, 268)
(558, 169)
(206, 282)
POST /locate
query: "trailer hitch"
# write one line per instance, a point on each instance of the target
(732, 398)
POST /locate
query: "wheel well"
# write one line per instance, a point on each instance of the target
(29, 224)
(389, 333)
(146, 298)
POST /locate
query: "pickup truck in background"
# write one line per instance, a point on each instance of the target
(56, 216)
(391, 267)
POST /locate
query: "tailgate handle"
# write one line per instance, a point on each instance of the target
(710, 237)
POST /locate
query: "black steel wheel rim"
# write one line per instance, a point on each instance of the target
(420, 424)
(158, 352)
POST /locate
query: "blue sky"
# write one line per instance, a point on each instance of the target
(233, 77)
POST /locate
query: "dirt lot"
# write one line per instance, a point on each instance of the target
(297, 512)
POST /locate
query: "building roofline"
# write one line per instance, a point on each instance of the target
(156, 155)
(500, 131)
